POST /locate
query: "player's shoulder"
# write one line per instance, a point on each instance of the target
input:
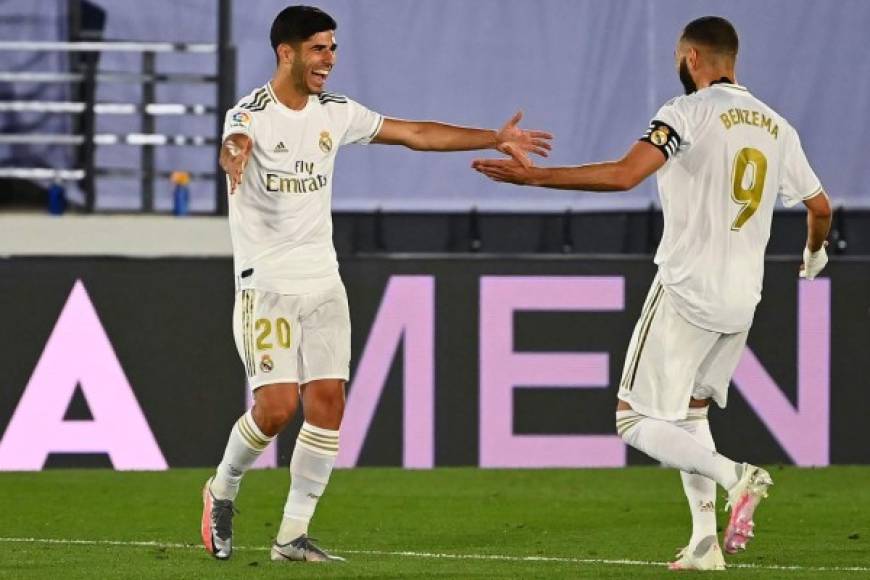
(328, 99)
(257, 101)
(687, 103)
(751, 103)
(777, 117)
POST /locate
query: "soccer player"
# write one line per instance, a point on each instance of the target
(291, 323)
(722, 156)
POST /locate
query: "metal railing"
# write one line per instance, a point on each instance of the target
(147, 139)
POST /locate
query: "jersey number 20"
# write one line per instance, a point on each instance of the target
(264, 330)
(750, 169)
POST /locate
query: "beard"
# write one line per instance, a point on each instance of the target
(298, 74)
(688, 84)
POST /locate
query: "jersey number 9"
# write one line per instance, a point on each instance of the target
(750, 169)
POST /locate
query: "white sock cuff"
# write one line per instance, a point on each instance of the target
(627, 419)
(318, 440)
(698, 413)
(695, 421)
(251, 434)
(309, 467)
(698, 425)
(319, 430)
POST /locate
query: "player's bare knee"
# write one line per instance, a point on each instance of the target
(334, 401)
(272, 420)
(325, 411)
(323, 401)
(273, 413)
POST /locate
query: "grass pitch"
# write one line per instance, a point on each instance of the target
(445, 523)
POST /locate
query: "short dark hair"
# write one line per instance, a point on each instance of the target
(297, 23)
(713, 32)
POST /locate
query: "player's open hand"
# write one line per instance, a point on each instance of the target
(505, 170)
(234, 158)
(518, 143)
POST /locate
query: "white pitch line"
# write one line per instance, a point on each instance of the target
(134, 544)
(503, 558)
(434, 555)
(566, 560)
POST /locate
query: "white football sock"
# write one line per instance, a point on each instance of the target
(667, 443)
(246, 443)
(700, 490)
(313, 459)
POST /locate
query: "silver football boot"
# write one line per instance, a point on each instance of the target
(217, 524)
(302, 549)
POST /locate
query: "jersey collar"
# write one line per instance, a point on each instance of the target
(729, 84)
(285, 109)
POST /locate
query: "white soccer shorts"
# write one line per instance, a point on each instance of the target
(670, 360)
(283, 338)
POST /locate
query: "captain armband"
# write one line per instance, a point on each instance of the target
(663, 137)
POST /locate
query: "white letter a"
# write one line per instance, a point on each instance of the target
(78, 352)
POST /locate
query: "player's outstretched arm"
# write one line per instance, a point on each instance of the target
(641, 161)
(818, 226)
(235, 152)
(435, 136)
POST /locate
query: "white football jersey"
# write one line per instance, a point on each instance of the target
(280, 215)
(729, 156)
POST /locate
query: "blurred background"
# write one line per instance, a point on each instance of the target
(116, 279)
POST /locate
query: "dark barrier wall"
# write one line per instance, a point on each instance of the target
(497, 362)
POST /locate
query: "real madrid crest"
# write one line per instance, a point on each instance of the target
(325, 142)
(659, 136)
(266, 364)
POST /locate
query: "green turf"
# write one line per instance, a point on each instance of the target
(815, 518)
